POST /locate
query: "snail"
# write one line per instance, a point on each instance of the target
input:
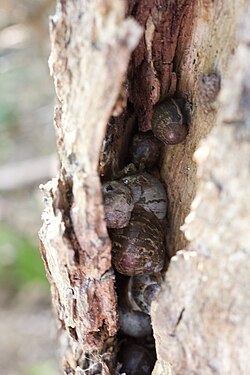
(145, 150)
(118, 204)
(134, 323)
(141, 290)
(168, 123)
(120, 197)
(139, 248)
(148, 192)
(135, 359)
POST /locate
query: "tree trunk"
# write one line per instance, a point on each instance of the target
(74, 241)
(200, 317)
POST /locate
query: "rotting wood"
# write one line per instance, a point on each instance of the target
(151, 73)
(75, 245)
(151, 69)
(74, 241)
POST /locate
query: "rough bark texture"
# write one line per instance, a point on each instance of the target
(204, 303)
(95, 79)
(74, 239)
(151, 73)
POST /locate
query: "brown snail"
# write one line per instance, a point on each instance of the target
(141, 291)
(139, 248)
(135, 359)
(148, 192)
(145, 150)
(118, 204)
(168, 124)
(120, 197)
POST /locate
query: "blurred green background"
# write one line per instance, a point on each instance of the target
(27, 158)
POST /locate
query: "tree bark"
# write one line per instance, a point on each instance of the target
(74, 241)
(200, 317)
(199, 314)
(207, 49)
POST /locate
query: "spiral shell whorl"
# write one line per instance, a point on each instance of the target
(139, 248)
(168, 123)
(142, 290)
(148, 192)
(118, 204)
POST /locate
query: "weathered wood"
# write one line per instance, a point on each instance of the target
(204, 46)
(92, 42)
(200, 319)
(91, 47)
(151, 73)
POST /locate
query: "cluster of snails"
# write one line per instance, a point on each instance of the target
(135, 207)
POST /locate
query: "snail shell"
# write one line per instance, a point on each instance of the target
(135, 359)
(134, 323)
(142, 290)
(139, 248)
(148, 192)
(145, 150)
(168, 123)
(118, 204)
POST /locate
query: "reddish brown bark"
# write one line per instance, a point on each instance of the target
(151, 69)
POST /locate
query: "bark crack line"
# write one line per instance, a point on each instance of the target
(178, 322)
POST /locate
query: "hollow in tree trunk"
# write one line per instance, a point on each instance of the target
(112, 63)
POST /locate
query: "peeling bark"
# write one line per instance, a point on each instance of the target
(75, 244)
(103, 88)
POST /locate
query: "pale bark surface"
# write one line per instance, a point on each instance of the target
(206, 48)
(201, 316)
(74, 239)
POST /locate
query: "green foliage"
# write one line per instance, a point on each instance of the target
(20, 260)
(44, 368)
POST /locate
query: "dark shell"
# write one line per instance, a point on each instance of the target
(145, 150)
(135, 359)
(148, 192)
(139, 248)
(134, 323)
(142, 290)
(168, 123)
(118, 204)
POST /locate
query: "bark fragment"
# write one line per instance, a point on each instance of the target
(74, 240)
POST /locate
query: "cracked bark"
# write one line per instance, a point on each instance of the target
(74, 241)
(181, 40)
(205, 298)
